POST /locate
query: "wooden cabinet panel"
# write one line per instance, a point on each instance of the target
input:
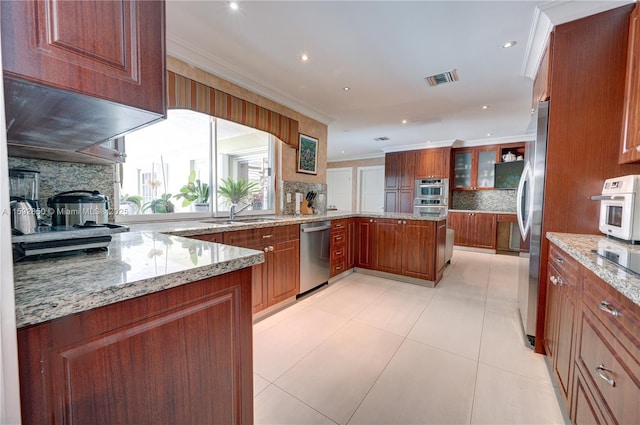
(399, 170)
(542, 82)
(284, 279)
(433, 163)
(387, 236)
(631, 113)
(210, 237)
(364, 243)
(584, 408)
(338, 248)
(351, 243)
(400, 201)
(59, 76)
(478, 230)
(419, 249)
(129, 362)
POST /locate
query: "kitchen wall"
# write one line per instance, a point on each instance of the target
(485, 200)
(319, 204)
(354, 164)
(56, 177)
(307, 125)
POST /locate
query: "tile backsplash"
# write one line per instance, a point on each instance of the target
(56, 177)
(485, 200)
(289, 208)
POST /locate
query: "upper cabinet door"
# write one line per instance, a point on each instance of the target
(631, 115)
(78, 73)
(486, 162)
(462, 166)
(399, 170)
(433, 163)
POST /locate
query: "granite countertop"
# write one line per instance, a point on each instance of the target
(484, 211)
(150, 258)
(581, 248)
(136, 263)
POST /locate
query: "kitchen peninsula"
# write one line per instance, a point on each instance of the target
(117, 336)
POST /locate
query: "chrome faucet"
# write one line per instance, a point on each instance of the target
(233, 212)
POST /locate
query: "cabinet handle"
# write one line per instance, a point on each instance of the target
(267, 236)
(338, 252)
(606, 307)
(553, 280)
(270, 249)
(404, 221)
(339, 225)
(370, 220)
(266, 249)
(338, 238)
(602, 372)
(399, 221)
(339, 268)
(558, 260)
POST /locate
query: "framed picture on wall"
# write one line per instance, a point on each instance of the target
(307, 155)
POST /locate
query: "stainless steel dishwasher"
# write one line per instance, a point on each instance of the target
(315, 239)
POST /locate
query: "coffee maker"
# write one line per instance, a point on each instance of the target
(25, 207)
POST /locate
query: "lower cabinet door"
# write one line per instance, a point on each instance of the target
(387, 234)
(418, 249)
(284, 271)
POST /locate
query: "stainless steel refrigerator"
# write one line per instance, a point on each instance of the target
(530, 200)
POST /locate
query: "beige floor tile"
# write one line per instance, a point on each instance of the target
(284, 344)
(335, 377)
(503, 397)
(276, 318)
(274, 406)
(421, 385)
(352, 297)
(396, 311)
(259, 384)
(453, 323)
(503, 346)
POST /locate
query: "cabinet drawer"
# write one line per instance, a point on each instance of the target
(338, 251)
(610, 370)
(338, 224)
(564, 264)
(209, 237)
(339, 237)
(241, 238)
(337, 267)
(507, 218)
(286, 233)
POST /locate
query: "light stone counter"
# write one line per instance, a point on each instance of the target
(149, 258)
(581, 248)
(136, 263)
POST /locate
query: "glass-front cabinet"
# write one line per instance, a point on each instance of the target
(474, 168)
(463, 161)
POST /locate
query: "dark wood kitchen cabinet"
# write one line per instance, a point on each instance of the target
(342, 256)
(278, 278)
(364, 243)
(78, 73)
(433, 163)
(399, 178)
(412, 248)
(474, 229)
(563, 277)
(473, 168)
(631, 113)
(181, 355)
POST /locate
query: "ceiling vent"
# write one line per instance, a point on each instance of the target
(381, 139)
(445, 77)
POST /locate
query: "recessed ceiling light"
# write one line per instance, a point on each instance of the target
(346, 88)
(234, 5)
(404, 121)
(304, 57)
(489, 134)
(485, 107)
(341, 151)
(509, 44)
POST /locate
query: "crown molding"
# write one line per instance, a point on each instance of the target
(427, 145)
(356, 157)
(495, 140)
(195, 56)
(552, 13)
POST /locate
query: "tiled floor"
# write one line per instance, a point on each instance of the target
(369, 350)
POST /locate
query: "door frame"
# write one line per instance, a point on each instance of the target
(359, 189)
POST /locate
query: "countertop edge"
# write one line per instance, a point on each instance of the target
(624, 282)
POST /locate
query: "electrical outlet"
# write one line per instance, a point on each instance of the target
(288, 197)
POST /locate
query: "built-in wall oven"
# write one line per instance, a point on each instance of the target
(432, 197)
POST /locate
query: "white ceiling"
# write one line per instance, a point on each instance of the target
(382, 50)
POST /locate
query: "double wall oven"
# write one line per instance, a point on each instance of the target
(431, 197)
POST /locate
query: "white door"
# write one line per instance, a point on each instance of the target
(371, 189)
(339, 188)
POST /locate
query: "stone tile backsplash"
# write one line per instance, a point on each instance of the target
(289, 208)
(485, 200)
(56, 177)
